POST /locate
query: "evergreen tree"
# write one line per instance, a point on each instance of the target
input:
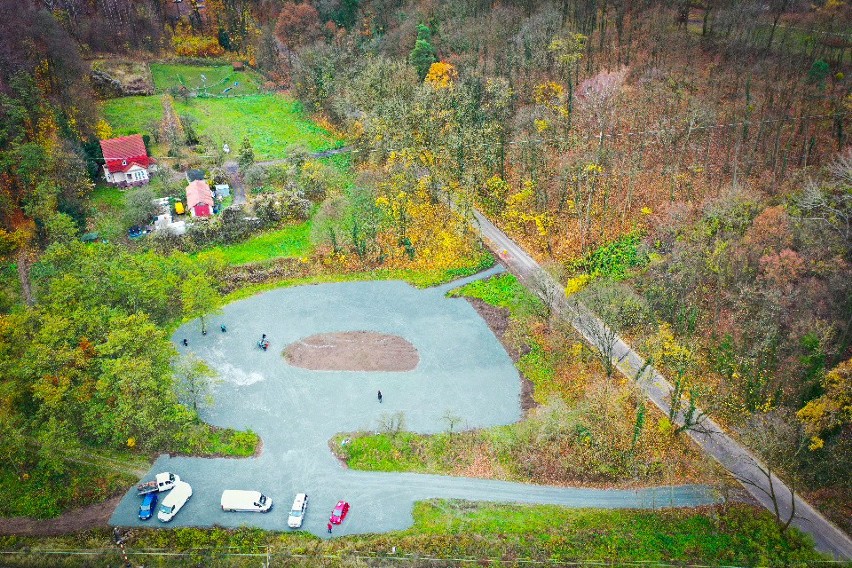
(423, 54)
(246, 157)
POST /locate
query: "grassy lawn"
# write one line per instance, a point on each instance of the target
(108, 203)
(289, 242)
(475, 533)
(424, 278)
(272, 122)
(167, 75)
(133, 115)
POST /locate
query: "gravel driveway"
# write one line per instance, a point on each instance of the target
(463, 370)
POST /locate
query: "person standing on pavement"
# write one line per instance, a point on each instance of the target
(380, 397)
(329, 527)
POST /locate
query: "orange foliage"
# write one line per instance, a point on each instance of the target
(441, 75)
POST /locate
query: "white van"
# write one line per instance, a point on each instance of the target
(297, 511)
(173, 502)
(238, 500)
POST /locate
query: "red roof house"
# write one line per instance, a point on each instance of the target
(199, 199)
(127, 161)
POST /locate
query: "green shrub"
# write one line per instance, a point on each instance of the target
(615, 259)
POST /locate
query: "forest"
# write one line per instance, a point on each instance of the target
(690, 159)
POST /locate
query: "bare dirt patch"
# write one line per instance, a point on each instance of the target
(498, 321)
(352, 351)
(73, 521)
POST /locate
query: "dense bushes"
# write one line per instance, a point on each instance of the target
(89, 368)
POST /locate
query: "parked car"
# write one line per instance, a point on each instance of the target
(339, 512)
(162, 482)
(148, 506)
(173, 502)
(239, 500)
(297, 511)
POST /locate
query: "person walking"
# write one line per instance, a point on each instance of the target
(329, 527)
(380, 397)
(223, 328)
(185, 342)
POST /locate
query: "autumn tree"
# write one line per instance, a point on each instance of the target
(567, 51)
(297, 26)
(833, 409)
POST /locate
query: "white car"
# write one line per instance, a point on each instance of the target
(297, 511)
(173, 502)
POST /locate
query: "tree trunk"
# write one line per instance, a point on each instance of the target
(24, 276)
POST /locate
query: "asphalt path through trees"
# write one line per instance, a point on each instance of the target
(741, 463)
(463, 371)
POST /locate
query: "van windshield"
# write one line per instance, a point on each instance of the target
(166, 509)
(296, 513)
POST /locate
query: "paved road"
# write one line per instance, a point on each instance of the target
(728, 452)
(462, 370)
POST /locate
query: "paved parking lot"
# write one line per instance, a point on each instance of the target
(463, 370)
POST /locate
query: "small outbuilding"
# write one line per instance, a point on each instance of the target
(199, 199)
(223, 190)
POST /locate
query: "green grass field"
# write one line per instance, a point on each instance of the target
(289, 242)
(271, 122)
(167, 75)
(461, 533)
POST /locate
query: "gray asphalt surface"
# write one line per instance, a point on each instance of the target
(463, 370)
(710, 436)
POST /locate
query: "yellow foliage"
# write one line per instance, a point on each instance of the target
(103, 130)
(546, 93)
(647, 211)
(540, 125)
(418, 233)
(187, 44)
(577, 284)
(520, 213)
(834, 407)
(131, 442)
(664, 426)
(666, 349)
(441, 75)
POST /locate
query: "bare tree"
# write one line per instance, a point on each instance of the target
(779, 439)
(601, 313)
(547, 288)
(392, 424)
(830, 206)
(452, 419)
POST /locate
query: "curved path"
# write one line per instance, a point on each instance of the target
(463, 370)
(711, 437)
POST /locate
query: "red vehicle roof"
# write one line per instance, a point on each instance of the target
(123, 153)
